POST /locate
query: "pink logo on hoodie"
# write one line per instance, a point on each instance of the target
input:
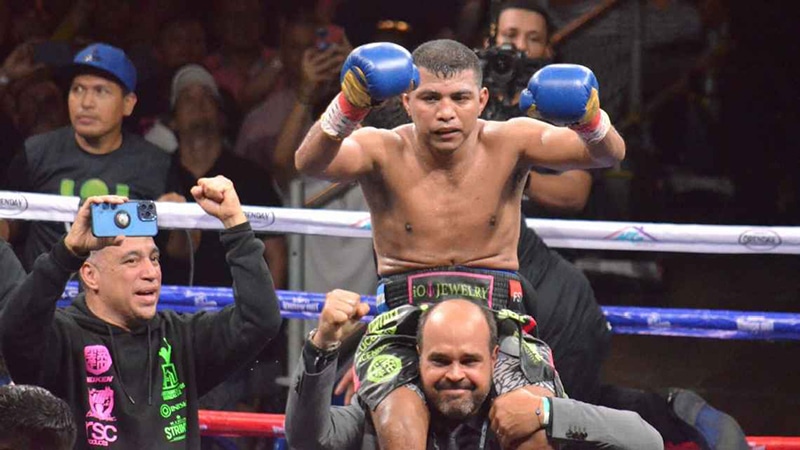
(101, 403)
(98, 359)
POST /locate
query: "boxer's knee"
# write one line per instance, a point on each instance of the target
(401, 420)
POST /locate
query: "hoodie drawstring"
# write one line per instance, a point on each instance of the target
(149, 368)
(119, 372)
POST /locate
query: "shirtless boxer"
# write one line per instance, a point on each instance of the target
(444, 193)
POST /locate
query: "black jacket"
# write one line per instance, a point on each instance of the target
(138, 389)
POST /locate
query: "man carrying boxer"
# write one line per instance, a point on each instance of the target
(444, 194)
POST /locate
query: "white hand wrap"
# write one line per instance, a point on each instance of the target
(340, 120)
(594, 132)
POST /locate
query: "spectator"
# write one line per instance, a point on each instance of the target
(92, 156)
(18, 65)
(31, 418)
(242, 65)
(199, 123)
(308, 79)
(110, 351)
(181, 40)
(36, 104)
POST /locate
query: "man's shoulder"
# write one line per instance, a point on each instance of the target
(384, 139)
(140, 148)
(46, 141)
(138, 143)
(499, 135)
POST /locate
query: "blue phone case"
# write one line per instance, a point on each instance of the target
(134, 218)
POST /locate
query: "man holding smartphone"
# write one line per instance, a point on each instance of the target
(93, 155)
(131, 375)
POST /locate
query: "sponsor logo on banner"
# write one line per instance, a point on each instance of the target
(12, 204)
(631, 234)
(363, 224)
(260, 218)
(300, 304)
(760, 239)
(755, 324)
(200, 300)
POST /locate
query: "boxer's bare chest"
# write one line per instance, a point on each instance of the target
(448, 214)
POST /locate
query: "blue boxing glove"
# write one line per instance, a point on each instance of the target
(370, 74)
(374, 72)
(566, 95)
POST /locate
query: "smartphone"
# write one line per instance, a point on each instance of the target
(133, 218)
(323, 39)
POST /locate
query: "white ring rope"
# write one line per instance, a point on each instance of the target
(579, 234)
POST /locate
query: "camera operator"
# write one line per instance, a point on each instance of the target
(520, 35)
(568, 315)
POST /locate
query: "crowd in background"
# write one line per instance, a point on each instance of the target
(274, 66)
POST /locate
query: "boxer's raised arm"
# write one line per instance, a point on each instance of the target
(370, 74)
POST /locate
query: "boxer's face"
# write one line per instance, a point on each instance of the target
(445, 110)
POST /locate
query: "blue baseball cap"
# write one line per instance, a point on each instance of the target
(108, 60)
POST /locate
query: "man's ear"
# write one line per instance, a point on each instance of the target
(89, 275)
(128, 102)
(405, 103)
(495, 352)
(483, 98)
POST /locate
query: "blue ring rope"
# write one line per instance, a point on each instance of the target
(696, 323)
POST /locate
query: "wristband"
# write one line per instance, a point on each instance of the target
(595, 130)
(341, 118)
(544, 412)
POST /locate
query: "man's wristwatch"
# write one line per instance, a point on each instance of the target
(322, 356)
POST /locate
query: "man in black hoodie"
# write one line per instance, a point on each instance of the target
(131, 375)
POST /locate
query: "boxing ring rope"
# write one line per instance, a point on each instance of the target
(630, 236)
(718, 324)
(576, 234)
(239, 424)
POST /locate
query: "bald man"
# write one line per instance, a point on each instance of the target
(132, 375)
(456, 368)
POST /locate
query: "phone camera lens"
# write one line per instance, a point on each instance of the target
(122, 219)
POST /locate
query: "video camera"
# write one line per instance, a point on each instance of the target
(506, 72)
